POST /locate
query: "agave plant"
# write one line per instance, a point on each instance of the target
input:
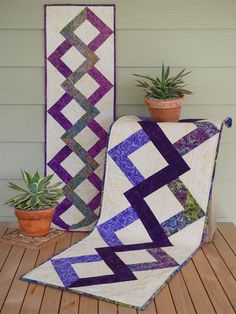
(37, 194)
(165, 87)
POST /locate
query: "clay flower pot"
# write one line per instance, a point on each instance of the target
(35, 223)
(164, 110)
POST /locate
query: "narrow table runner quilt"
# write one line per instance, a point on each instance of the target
(80, 96)
(157, 188)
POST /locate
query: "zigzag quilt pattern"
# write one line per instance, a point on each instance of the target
(79, 106)
(157, 188)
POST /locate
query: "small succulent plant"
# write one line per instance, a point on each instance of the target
(165, 87)
(38, 194)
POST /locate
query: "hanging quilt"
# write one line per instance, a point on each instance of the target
(80, 98)
(158, 183)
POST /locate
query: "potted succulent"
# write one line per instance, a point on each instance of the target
(164, 95)
(35, 205)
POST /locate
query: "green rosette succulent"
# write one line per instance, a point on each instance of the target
(37, 194)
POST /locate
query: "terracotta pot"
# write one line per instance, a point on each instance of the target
(35, 223)
(164, 110)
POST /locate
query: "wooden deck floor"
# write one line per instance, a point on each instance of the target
(205, 285)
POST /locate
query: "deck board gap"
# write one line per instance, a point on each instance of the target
(172, 298)
(204, 286)
(222, 257)
(23, 300)
(12, 280)
(219, 281)
(6, 258)
(232, 249)
(188, 292)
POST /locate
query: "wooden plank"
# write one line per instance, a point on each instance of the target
(3, 227)
(223, 274)
(150, 309)
(164, 302)
(88, 305)
(212, 285)
(181, 14)
(69, 303)
(225, 251)
(4, 251)
(4, 247)
(106, 307)
(34, 295)
(228, 231)
(8, 271)
(196, 289)
(126, 310)
(70, 300)
(182, 300)
(17, 239)
(31, 117)
(12, 226)
(216, 43)
(77, 236)
(47, 306)
(19, 287)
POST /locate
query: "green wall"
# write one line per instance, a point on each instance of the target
(199, 35)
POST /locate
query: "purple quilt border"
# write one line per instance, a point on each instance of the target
(45, 66)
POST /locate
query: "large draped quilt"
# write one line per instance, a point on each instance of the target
(158, 182)
(80, 98)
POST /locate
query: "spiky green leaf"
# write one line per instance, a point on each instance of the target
(165, 87)
(39, 193)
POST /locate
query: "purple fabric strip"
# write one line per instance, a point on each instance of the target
(55, 164)
(55, 111)
(61, 208)
(120, 154)
(108, 228)
(203, 132)
(95, 202)
(104, 30)
(55, 58)
(163, 260)
(120, 269)
(64, 268)
(177, 166)
(104, 88)
(102, 134)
